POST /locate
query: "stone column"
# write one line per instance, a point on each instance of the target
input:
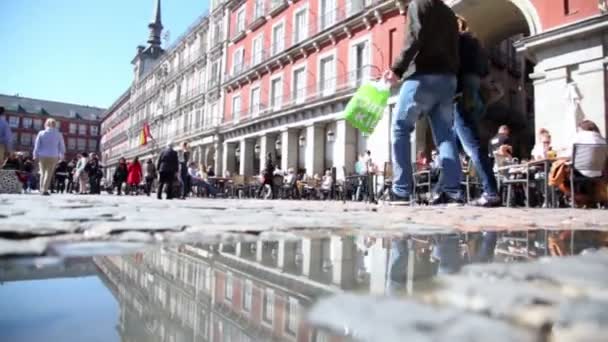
(267, 143)
(345, 148)
(343, 262)
(228, 158)
(315, 150)
(246, 167)
(218, 157)
(312, 256)
(286, 254)
(289, 149)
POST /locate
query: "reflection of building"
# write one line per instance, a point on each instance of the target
(79, 124)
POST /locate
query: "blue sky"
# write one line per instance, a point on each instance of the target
(79, 51)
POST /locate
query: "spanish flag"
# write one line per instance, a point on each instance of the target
(144, 135)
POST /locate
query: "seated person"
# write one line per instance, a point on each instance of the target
(501, 147)
(12, 163)
(542, 149)
(326, 184)
(198, 181)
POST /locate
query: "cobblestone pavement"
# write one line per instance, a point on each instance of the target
(28, 223)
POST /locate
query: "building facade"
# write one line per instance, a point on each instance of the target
(273, 77)
(79, 124)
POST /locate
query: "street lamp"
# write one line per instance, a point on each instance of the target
(256, 149)
(302, 141)
(331, 136)
(277, 145)
(237, 152)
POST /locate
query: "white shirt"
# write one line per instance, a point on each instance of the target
(586, 137)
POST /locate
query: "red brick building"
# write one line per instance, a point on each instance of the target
(79, 124)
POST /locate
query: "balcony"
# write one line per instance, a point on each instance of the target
(239, 32)
(276, 7)
(259, 15)
(341, 85)
(238, 69)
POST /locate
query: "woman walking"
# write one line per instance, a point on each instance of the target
(48, 150)
(150, 176)
(80, 175)
(134, 177)
(120, 175)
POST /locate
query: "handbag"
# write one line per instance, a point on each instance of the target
(366, 107)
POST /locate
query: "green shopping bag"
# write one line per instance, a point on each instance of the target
(366, 107)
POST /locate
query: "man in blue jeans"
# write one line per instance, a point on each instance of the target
(468, 110)
(428, 65)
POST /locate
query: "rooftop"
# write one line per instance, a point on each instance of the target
(52, 108)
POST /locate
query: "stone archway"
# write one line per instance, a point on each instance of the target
(496, 20)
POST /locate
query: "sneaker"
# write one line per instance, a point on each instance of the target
(46, 193)
(488, 201)
(396, 200)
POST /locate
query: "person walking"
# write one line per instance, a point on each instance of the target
(150, 176)
(120, 175)
(80, 173)
(49, 148)
(134, 177)
(167, 166)
(61, 174)
(184, 158)
(71, 169)
(428, 65)
(6, 137)
(468, 110)
(267, 175)
(95, 173)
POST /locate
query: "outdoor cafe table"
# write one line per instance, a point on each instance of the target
(543, 165)
(219, 183)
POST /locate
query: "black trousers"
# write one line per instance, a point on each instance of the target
(118, 185)
(166, 179)
(267, 181)
(149, 181)
(94, 185)
(60, 180)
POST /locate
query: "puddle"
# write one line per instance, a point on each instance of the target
(244, 291)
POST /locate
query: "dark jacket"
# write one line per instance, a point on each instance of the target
(168, 161)
(431, 40)
(473, 57)
(268, 168)
(121, 173)
(93, 169)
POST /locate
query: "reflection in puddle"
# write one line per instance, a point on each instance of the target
(247, 291)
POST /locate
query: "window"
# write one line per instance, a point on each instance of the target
(291, 323)
(355, 6)
(248, 295)
(13, 121)
(27, 123)
(215, 73)
(73, 128)
(82, 129)
(94, 130)
(240, 20)
(258, 9)
(268, 309)
(92, 145)
(276, 92)
(255, 101)
(300, 29)
(278, 38)
(37, 124)
(327, 76)
(256, 54)
(236, 108)
(237, 61)
(359, 62)
(71, 144)
(26, 139)
(392, 34)
(299, 85)
(328, 13)
(228, 288)
(82, 144)
(568, 8)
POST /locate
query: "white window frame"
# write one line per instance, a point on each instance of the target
(14, 121)
(322, 15)
(257, 57)
(291, 315)
(351, 58)
(272, 40)
(276, 106)
(268, 293)
(255, 111)
(229, 287)
(304, 8)
(331, 53)
(247, 295)
(236, 115)
(71, 147)
(91, 128)
(31, 121)
(256, 5)
(241, 51)
(300, 67)
(81, 130)
(240, 29)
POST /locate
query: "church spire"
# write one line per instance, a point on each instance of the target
(156, 27)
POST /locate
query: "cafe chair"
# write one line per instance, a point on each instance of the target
(586, 157)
